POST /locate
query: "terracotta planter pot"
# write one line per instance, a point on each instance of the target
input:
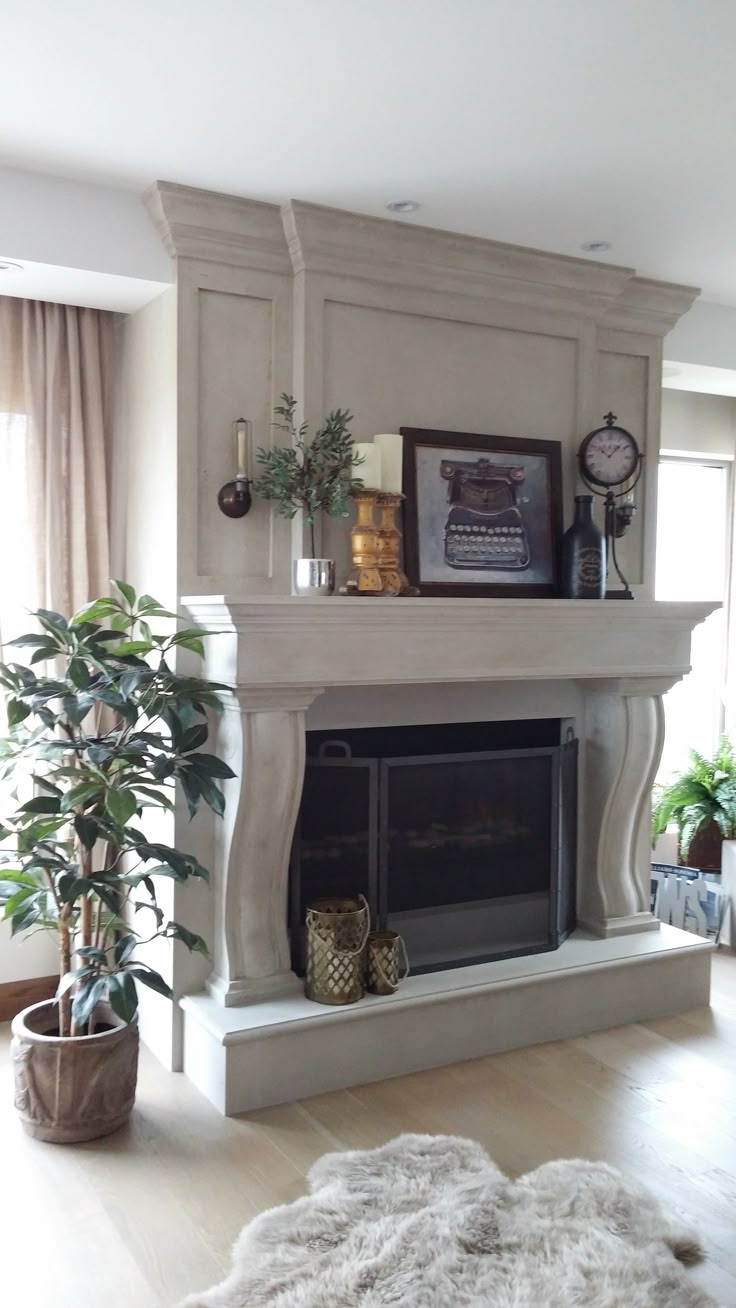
(69, 1089)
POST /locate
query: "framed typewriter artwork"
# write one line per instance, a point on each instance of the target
(482, 515)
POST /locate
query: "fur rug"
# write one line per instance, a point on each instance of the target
(430, 1222)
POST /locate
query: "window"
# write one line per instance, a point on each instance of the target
(693, 563)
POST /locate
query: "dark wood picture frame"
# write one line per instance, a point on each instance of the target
(550, 532)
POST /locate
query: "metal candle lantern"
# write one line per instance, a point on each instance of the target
(383, 962)
(337, 930)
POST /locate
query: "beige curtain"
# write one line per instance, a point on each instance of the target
(55, 414)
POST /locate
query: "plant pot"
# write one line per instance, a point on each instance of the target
(705, 849)
(728, 887)
(73, 1088)
(314, 577)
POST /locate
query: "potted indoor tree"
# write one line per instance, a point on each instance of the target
(702, 803)
(110, 733)
(312, 476)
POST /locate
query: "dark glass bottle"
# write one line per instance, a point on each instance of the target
(583, 559)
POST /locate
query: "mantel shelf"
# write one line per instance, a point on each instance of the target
(283, 641)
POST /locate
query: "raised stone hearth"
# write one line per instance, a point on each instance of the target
(253, 1039)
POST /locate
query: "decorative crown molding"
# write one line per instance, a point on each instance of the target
(378, 249)
(650, 306)
(310, 238)
(228, 229)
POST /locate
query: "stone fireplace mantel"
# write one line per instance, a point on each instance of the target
(280, 643)
(280, 653)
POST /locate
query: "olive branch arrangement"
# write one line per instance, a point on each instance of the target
(312, 476)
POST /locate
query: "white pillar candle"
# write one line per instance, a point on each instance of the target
(391, 446)
(241, 442)
(369, 470)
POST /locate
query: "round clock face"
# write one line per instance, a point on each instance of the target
(609, 456)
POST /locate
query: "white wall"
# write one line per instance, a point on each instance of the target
(58, 221)
(143, 527)
(706, 334)
(693, 423)
(143, 488)
(705, 425)
(22, 959)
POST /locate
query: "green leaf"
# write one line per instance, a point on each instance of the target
(87, 997)
(122, 995)
(25, 917)
(124, 948)
(70, 887)
(126, 590)
(87, 830)
(16, 711)
(79, 674)
(99, 608)
(157, 797)
(131, 647)
(211, 794)
(193, 942)
(80, 794)
(210, 765)
(54, 622)
(194, 737)
(68, 980)
(31, 641)
(41, 804)
(93, 953)
(121, 805)
(151, 979)
(18, 898)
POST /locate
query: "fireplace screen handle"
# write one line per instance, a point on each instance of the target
(335, 749)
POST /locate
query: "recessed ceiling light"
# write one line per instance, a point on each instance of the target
(403, 206)
(7, 265)
(596, 247)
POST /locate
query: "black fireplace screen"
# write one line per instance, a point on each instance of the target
(469, 854)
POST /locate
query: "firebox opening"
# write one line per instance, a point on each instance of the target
(461, 836)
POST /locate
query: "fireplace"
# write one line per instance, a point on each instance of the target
(527, 668)
(461, 836)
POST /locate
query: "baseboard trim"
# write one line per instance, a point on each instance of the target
(16, 995)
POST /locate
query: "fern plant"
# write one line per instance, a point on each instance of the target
(704, 793)
(315, 476)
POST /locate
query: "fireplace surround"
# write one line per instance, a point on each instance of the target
(252, 1038)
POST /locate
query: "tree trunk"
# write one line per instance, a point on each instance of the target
(65, 963)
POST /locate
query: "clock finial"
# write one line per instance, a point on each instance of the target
(609, 418)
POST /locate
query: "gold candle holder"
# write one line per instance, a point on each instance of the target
(365, 577)
(389, 545)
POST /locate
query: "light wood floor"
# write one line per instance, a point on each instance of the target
(149, 1215)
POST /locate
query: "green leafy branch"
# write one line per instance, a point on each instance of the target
(312, 476)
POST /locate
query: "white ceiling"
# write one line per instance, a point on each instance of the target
(542, 122)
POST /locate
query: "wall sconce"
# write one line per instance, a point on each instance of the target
(234, 498)
(622, 515)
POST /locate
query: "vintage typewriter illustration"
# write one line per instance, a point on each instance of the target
(484, 527)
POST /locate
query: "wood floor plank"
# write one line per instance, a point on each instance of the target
(165, 1197)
